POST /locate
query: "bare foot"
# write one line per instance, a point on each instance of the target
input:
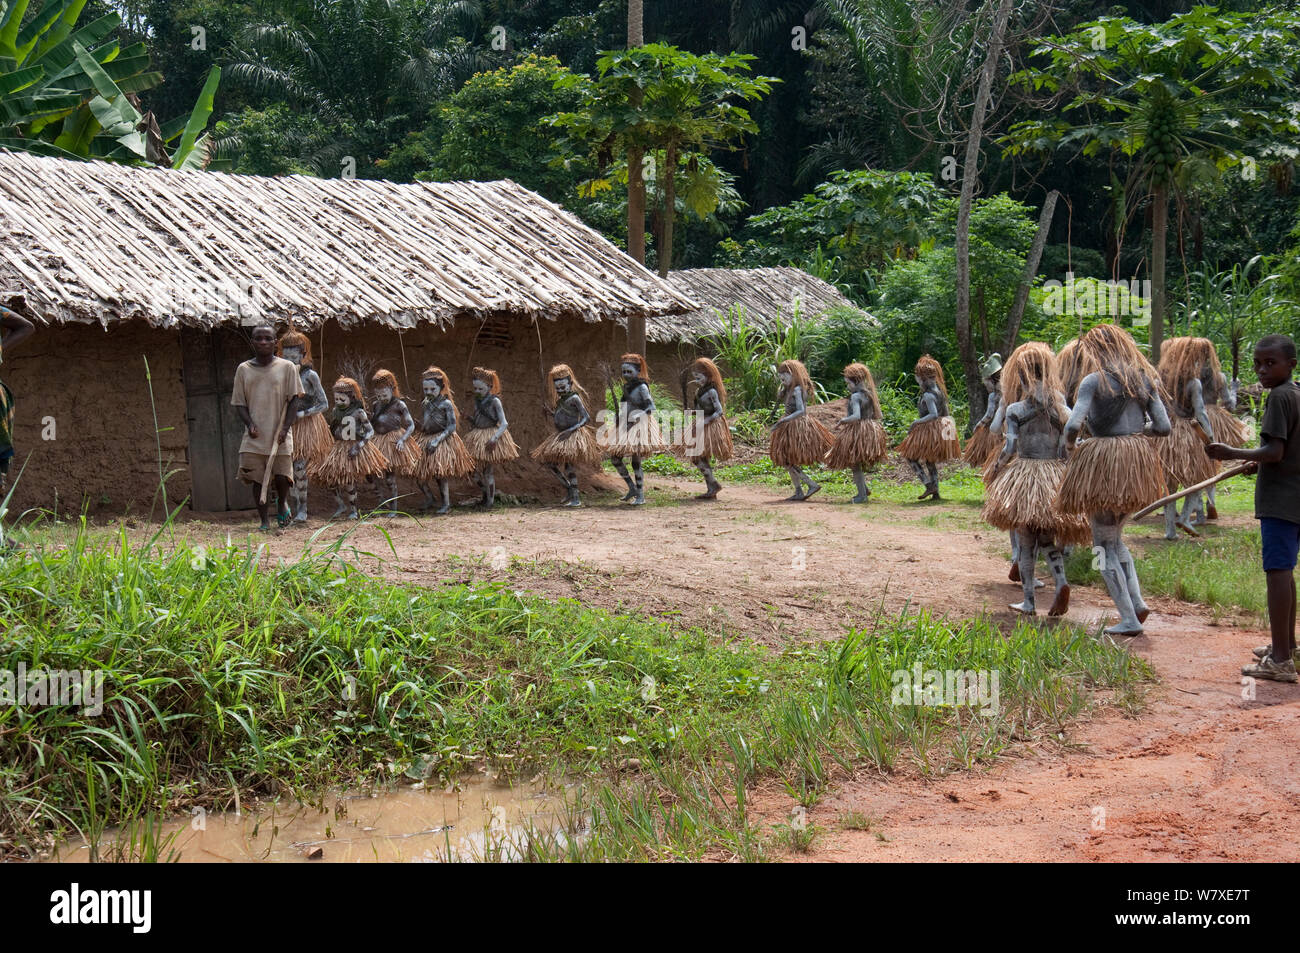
(1061, 604)
(1014, 573)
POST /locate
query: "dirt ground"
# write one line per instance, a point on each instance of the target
(1203, 774)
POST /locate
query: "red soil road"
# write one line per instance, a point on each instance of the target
(1202, 774)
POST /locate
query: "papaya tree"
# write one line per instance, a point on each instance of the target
(1170, 103)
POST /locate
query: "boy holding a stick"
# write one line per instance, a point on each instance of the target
(1277, 500)
(265, 393)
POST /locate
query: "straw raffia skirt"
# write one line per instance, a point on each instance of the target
(312, 439)
(711, 440)
(1111, 474)
(568, 448)
(404, 462)
(338, 469)
(1023, 494)
(476, 442)
(1228, 427)
(449, 459)
(859, 443)
(641, 439)
(799, 442)
(926, 443)
(983, 447)
(1183, 454)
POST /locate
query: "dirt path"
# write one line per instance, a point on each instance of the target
(1204, 774)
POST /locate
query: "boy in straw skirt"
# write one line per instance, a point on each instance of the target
(394, 426)
(1117, 470)
(932, 437)
(984, 445)
(312, 439)
(1023, 482)
(636, 433)
(860, 441)
(488, 438)
(798, 440)
(353, 457)
(709, 437)
(572, 443)
(1189, 371)
(444, 455)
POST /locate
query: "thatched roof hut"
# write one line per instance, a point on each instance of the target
(768, 298)
(117, 263)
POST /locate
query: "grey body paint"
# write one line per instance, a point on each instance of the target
(1117, 415)
(636, 403)
(861, 407)
(708, 406)
(390, 413)
(795, 407)
(346, 497)
(314, 401)
(570, 415)
(438, 423)
(930, 406)
(488, 412)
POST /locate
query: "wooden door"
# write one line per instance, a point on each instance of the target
(208, 363)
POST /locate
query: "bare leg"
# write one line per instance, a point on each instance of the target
(933, 473)
(342, 504)
(428, 495)
(795, 476)
(300, 487)
(1027, 557)
(813, 486)
(1056, 562)
(711, 485)
(571, 481)
(919, 469)
(860, 479)
(351, 493)
(639, 483)
(489, 486)
(1014, 574)
(263, 509)
(1131, 578)
(1171, 520)
(627, 478)
(1211, 511)
(444, 489)
(1106, 529)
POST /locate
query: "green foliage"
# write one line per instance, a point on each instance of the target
(1236, 307)
(670, 104)
(865, 219)
(918, 298)
(492, 128)
(223, 674)
(65, 87)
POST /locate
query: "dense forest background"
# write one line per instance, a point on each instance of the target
(831, 135)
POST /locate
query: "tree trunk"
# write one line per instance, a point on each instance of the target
(635, 181)
(969, 177)
(668, 179)
(1159, 234)
(1017, 316)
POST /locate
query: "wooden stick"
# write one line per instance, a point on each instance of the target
(270, 459)
(1238, 470)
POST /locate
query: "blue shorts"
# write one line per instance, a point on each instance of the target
(1281, 541)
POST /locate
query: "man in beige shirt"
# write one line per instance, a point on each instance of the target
(265, 394)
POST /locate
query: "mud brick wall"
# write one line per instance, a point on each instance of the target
(92, 383)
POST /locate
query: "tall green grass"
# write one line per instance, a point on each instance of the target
(228, 676)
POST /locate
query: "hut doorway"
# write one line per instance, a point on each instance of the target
(208, 363)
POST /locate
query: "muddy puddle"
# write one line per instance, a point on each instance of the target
(481, 820)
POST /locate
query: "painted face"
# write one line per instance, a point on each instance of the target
(786, 378)
(293, 354)
(342, 398)
(383, 394)
(481, 387)
(431, 387)
(990, 385)
(629, 371)
(562, 385)
(852, 385)
(699, 378)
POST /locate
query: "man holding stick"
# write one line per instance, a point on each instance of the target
(266, 392)
(1277, 500)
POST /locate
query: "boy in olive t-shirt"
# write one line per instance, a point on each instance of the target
(1277, 500)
